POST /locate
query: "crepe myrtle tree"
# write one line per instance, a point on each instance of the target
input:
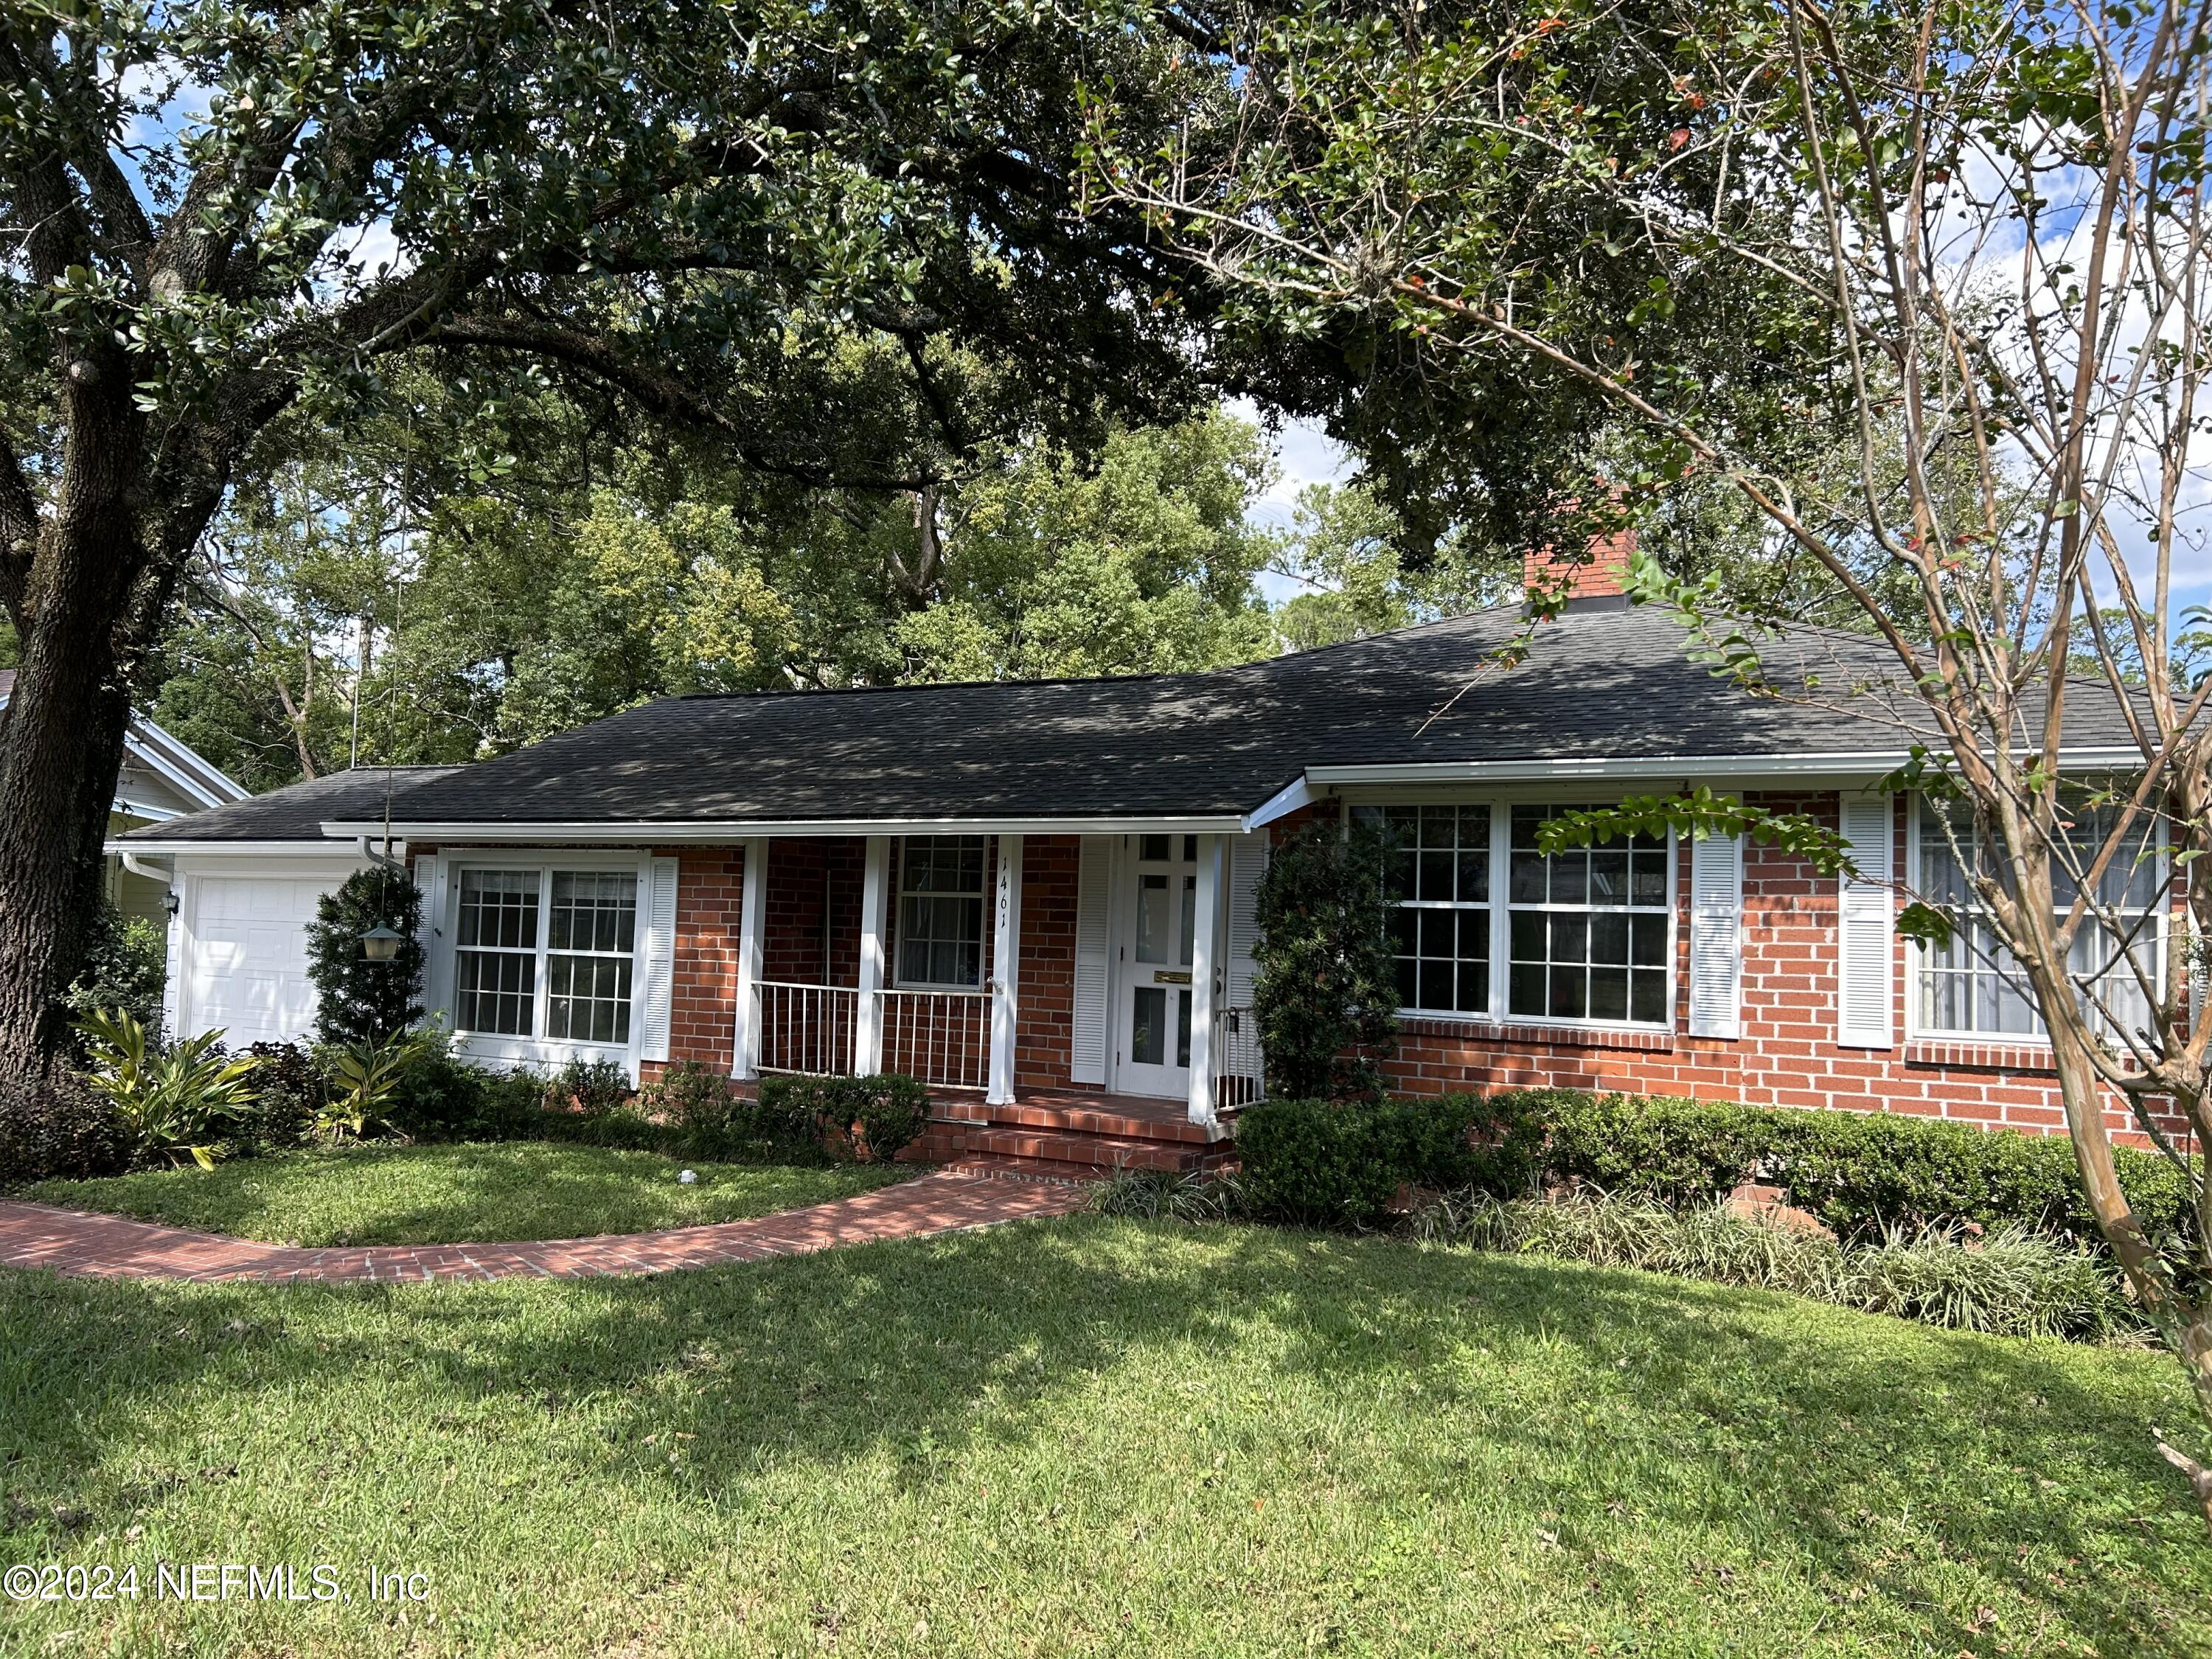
(217, 210)
(1969, 239)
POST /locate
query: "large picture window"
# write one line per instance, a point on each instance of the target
(940, 914)
(1438, 887)
(546, 953)
(1588, 928)
(1973, 986)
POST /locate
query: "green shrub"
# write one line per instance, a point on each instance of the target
(1334, 1163)
(711, 1120)
(1860, 1172)
(2012, 1283)
(1319, 1162)
(126, 966)
(59, 1128)
(869, 1119)
(174, 1102)
(1327, 991)
(359, 1001)
(289, 1089)
(437, 1095)
(595, 1086)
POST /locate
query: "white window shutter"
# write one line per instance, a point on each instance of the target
(659, 959)
(1248, 863)
(1093, 887)
(1717, 936)
(1865, 927)
(431, 878)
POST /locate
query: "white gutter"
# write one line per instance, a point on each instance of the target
(665, 832)
(169, 847)
(1869, 763)
(385, 859)
(137, 867)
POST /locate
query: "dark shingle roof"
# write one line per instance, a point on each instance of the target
(1597, 684)
(299, 811)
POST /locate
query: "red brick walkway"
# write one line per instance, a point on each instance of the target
(110, 1247)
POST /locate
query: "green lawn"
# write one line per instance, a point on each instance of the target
(1092, 1437)
(457, 1194)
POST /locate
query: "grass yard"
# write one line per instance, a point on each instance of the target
(1092, 1436)
(457, 1194)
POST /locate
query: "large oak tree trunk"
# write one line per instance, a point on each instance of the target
(61, 749)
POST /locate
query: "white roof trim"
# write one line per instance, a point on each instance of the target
(169, 846)
(1298, 792)
(1842, 764)
(681, 832)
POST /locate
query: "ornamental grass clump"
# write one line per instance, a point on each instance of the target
(1169, 1195)
(2011, 1283)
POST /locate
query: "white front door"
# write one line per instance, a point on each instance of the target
(1158, 925)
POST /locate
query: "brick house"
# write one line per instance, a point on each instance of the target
(1038, 897)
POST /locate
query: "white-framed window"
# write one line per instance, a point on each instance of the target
(546, 952)
(1973, 986)
(1437, 884)
(1485, 926)
(1589, 928)
(941, 912)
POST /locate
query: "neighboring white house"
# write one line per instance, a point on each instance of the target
(162, 779)
(245, 876)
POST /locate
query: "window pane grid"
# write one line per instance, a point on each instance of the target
(1437, 878)
(940, 919)
(496, 957)
(1973, 986)
(1587, 928)
(584, 952)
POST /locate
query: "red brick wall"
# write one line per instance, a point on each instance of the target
(1045, 1024)
(710, 888)
(1788, 1054)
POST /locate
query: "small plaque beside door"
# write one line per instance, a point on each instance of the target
(1171, 976)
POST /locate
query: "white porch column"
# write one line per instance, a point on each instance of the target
(1005, 971)
(868, 1018)
(752, 932)
(1204, 966)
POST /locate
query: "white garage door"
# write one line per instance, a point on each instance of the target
(246, 975)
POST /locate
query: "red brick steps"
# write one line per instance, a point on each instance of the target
(1069, 1137)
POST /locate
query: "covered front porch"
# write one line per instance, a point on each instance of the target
(1045, 986)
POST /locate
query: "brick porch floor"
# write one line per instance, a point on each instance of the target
(75, 1242)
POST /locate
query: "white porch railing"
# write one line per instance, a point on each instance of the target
(939, 1036)
(807, 1029)
(1236, 1035)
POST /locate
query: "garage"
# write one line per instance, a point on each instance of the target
(242, 960)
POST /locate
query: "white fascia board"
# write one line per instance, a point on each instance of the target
(169, 847)
(1842, 764)
(146, 810)
(1298, 792)
(181, 764)
(719, 833)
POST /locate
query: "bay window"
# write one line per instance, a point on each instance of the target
(1973, 986)
(546, 953)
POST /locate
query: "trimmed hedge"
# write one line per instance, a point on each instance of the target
(1331, 1164)
(1334, 1163)
(865, 1118)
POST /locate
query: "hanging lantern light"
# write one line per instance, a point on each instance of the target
(381, 943)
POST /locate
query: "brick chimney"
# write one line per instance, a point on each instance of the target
(1597, 585)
